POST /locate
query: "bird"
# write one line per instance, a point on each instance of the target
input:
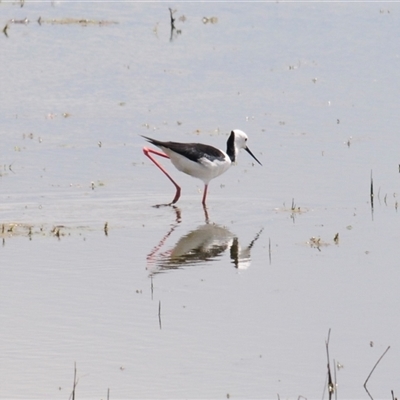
(199, 160)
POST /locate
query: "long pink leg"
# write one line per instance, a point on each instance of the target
(147, 152)
(206, 214)
(204, 195)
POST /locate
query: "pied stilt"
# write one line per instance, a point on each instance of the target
(198, 160)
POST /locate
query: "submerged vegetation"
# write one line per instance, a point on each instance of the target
(9, 230)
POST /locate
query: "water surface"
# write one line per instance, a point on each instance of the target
(170, 302)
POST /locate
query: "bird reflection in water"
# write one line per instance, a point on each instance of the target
(206, 243)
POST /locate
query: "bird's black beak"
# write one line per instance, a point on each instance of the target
(248, 150)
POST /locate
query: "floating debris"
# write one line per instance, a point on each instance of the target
(339, 366)
(336, 238)
(10, 230)
(294, 209)
(75, 21)
(211, 20)
(317, 242)
(24, 21)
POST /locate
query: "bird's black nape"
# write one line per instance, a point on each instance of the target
(230, 147)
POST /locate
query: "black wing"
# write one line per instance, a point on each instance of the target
(192, 151)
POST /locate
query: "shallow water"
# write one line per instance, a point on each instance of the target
(170, 302)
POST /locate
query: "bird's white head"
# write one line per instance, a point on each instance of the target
(237, 141)
(240, 139)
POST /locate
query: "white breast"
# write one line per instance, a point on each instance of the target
(204, 169)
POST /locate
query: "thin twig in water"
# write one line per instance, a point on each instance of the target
(372, 196)
(331, 385)
(372, 190)
(334, 375)
(159, 313)
(373, 369)
(171, 12)
(269, 251)
(74, 385)
(5, 30)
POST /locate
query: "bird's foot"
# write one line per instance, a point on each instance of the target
(162, 205)
(172, 204)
